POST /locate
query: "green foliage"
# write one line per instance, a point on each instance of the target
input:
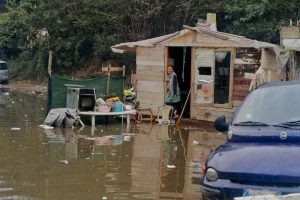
(81, 32)
(260, 19)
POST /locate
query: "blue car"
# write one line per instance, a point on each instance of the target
(262, 152)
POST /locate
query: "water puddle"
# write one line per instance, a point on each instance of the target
(111, 162)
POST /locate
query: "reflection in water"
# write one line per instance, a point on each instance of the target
(145, 162)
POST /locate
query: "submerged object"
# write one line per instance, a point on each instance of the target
(46, 127)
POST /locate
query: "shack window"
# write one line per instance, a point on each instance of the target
(222, 77)
(204, 70)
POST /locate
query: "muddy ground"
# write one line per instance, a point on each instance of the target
(27, 87)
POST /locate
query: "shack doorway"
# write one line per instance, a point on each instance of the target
(222, 77)
(180, 58)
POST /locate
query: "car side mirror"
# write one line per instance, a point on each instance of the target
(220, 124)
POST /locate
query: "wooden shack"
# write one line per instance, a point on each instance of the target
(216, 67)
(290, 39)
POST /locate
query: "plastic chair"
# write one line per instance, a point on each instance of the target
(164, 115)
(78, 120)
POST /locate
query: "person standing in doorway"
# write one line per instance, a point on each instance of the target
(172, 97)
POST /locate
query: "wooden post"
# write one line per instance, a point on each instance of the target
(50, 62)
(108, 80)
(123, 79)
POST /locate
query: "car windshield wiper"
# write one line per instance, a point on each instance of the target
(285, 126)
(250, 123)
(290, 123)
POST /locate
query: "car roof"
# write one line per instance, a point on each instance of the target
(279, 83)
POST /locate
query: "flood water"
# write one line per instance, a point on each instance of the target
(143, 162)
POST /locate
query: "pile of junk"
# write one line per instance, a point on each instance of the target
(114, 103)
(66, 117)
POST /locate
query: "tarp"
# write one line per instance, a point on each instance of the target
(61, 117)
(57, 88)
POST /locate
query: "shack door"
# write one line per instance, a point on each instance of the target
(213, 75)
(180, 58)
(204, 61)
(223, 77)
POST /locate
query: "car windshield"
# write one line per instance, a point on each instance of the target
(271, 106)
(3, 66)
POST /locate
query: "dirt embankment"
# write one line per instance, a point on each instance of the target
(27, 87)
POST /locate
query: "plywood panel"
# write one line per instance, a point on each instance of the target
(211, 113)
(291, 32)
(151, 73)
(152, 56)
(150, 77)
(204, 58)
(149, 62)
(144, 51)
(158, 68)
(150, 86)
(150, 52)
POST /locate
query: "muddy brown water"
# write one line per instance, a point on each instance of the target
(143, 161)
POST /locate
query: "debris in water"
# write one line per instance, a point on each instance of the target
(102, 131)
(171, 166)
(127, 138)
(46, 127)
(64, 162)
(128, 134)
(195, 142)
(195, 165)
(25, 115)
(104, 198)
(15, 129)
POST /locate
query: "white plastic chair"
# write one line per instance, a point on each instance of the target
(164, 115)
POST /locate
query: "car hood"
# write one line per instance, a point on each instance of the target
(257, 162)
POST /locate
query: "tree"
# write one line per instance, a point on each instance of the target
(81, 32)
(260, 19)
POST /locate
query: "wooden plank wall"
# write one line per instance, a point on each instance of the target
(150, 77)
(289, 32)
(210, 113)
(247, 61)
